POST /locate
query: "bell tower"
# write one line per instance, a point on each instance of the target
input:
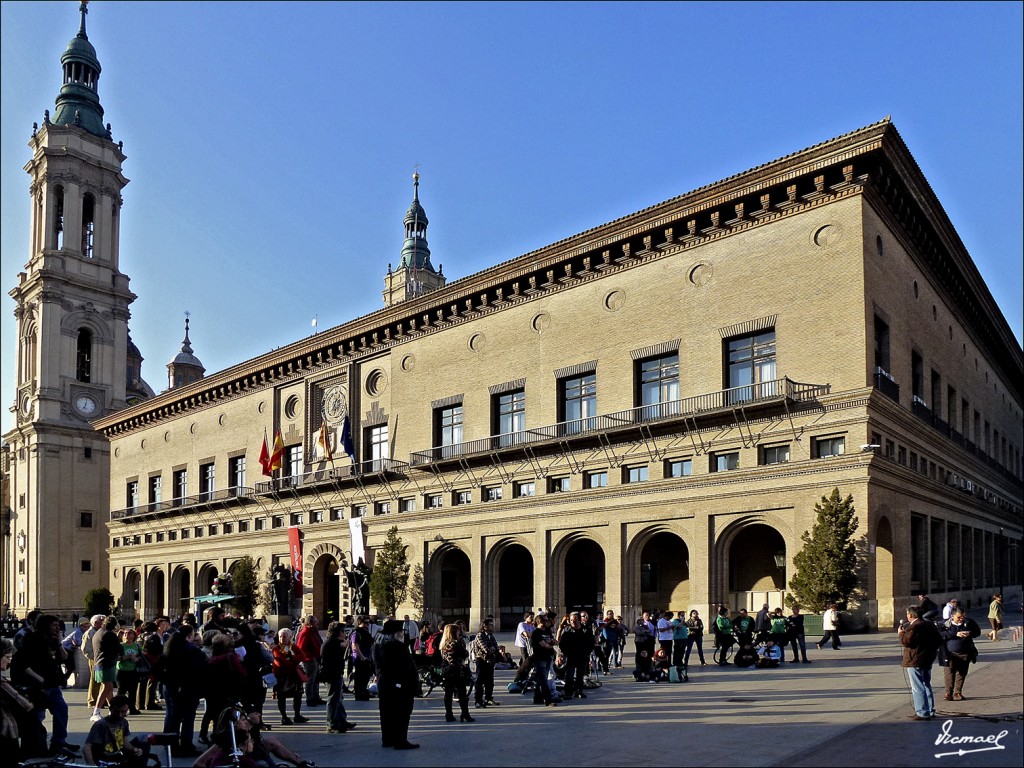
(73, 348)
(415, 275)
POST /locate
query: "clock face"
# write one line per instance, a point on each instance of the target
(335, 404)
(85, 405)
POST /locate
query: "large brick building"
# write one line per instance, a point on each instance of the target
(640, 415)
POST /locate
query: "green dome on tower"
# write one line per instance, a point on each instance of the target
(78, 102)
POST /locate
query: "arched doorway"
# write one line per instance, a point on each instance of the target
(131, 595)
(584, 576)
(449, 585)
(884, 577)
(204, 579)
(756, 568)
(327, 576)
(180, 591)
(153, 599)
(515, 585)
(664, 573)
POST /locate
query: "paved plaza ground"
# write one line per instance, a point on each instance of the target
(849, 707)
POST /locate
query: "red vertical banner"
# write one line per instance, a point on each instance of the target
(295, 547)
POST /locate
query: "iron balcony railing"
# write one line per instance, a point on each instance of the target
(184, 503)
(777, 390)
(887, 385)
(332, 475)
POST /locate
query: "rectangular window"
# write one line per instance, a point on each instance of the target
(775, 454)
(296, 518)
(578, 403)
(156, 492)
(936, 403)
(407, 505)
(212, 530)
(917, 375)
(316, 516)
(131, 495)
(85, 519)
(243, 526)
(509, 414)
(678, 468)
(558, 484)
(658, 387)
(337, 513)
(750, 366)
(199, 531)
(913, 461)
(462, 497)
(723, 462)
(148, 538)
(595, 479)
(635, 474)
(359, 510)
(881, 344)
(186, 533)
(160, 536)
(277, 521)
(207, 481)
(890, 450)
(836, 446)
(292, 466)
(382, 508)
(492, 493)
(521, 490)
(179, 481)
(448, 428)
(172, 535)
(901, 455)
(951, 406)
(87, 453)
(86, 566)
(236, 472)
(229, 528)
(433, 501)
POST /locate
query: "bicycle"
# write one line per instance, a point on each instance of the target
(723, 650)
(430, 676)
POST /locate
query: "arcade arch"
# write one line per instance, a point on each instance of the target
(448, 585)
(751, 560)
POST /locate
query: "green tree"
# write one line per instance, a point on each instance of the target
(416, 591)
(826, 566)
(245, 584)
(99, 601)
(390, 578)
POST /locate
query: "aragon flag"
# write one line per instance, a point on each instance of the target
(265, 456)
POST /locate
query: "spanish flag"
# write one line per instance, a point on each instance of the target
(275, 457)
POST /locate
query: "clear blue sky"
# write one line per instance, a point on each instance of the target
(270, 145)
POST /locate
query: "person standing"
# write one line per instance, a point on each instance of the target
(995, 616)
(310, 643)
(542, 653)
(412, 632)
(609, 638)
(287, 658)
(680, 635)
(37, 665)
(795, 623)
(455, 671)
(485, 650)
(762, 621)
(127, 670)
(920, 640)
(948, 609)
(575, 644)
(694, 637)
(522, 642)
(106, 649)
(332, 669)
(397, 683)
(957, 652)
(830, 628)
(95, 625)
(361, 649)
(181, 669)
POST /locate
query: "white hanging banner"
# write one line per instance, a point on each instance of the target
(355, 529)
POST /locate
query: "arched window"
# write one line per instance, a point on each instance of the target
(28, 347)
(88, 225)
(58, 218)
(83, 369)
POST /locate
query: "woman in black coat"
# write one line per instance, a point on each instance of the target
(397, 685)
(957, 652)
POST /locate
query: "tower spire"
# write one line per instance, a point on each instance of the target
(78, 102)
(415, 275)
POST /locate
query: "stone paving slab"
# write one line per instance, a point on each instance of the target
(848, 707)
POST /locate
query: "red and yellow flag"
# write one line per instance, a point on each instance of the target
(278, 452)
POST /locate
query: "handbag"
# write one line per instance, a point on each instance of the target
(301, 672)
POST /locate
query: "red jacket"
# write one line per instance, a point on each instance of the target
(309, 642)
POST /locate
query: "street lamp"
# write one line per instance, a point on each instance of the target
(780, 559)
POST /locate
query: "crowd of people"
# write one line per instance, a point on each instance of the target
(236, 665)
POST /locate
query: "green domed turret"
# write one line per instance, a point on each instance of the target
(415, 253)
(79, 101)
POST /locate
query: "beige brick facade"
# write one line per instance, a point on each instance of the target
(820, 251)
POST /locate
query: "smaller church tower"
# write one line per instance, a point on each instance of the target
(415, 275)
(185, 367)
